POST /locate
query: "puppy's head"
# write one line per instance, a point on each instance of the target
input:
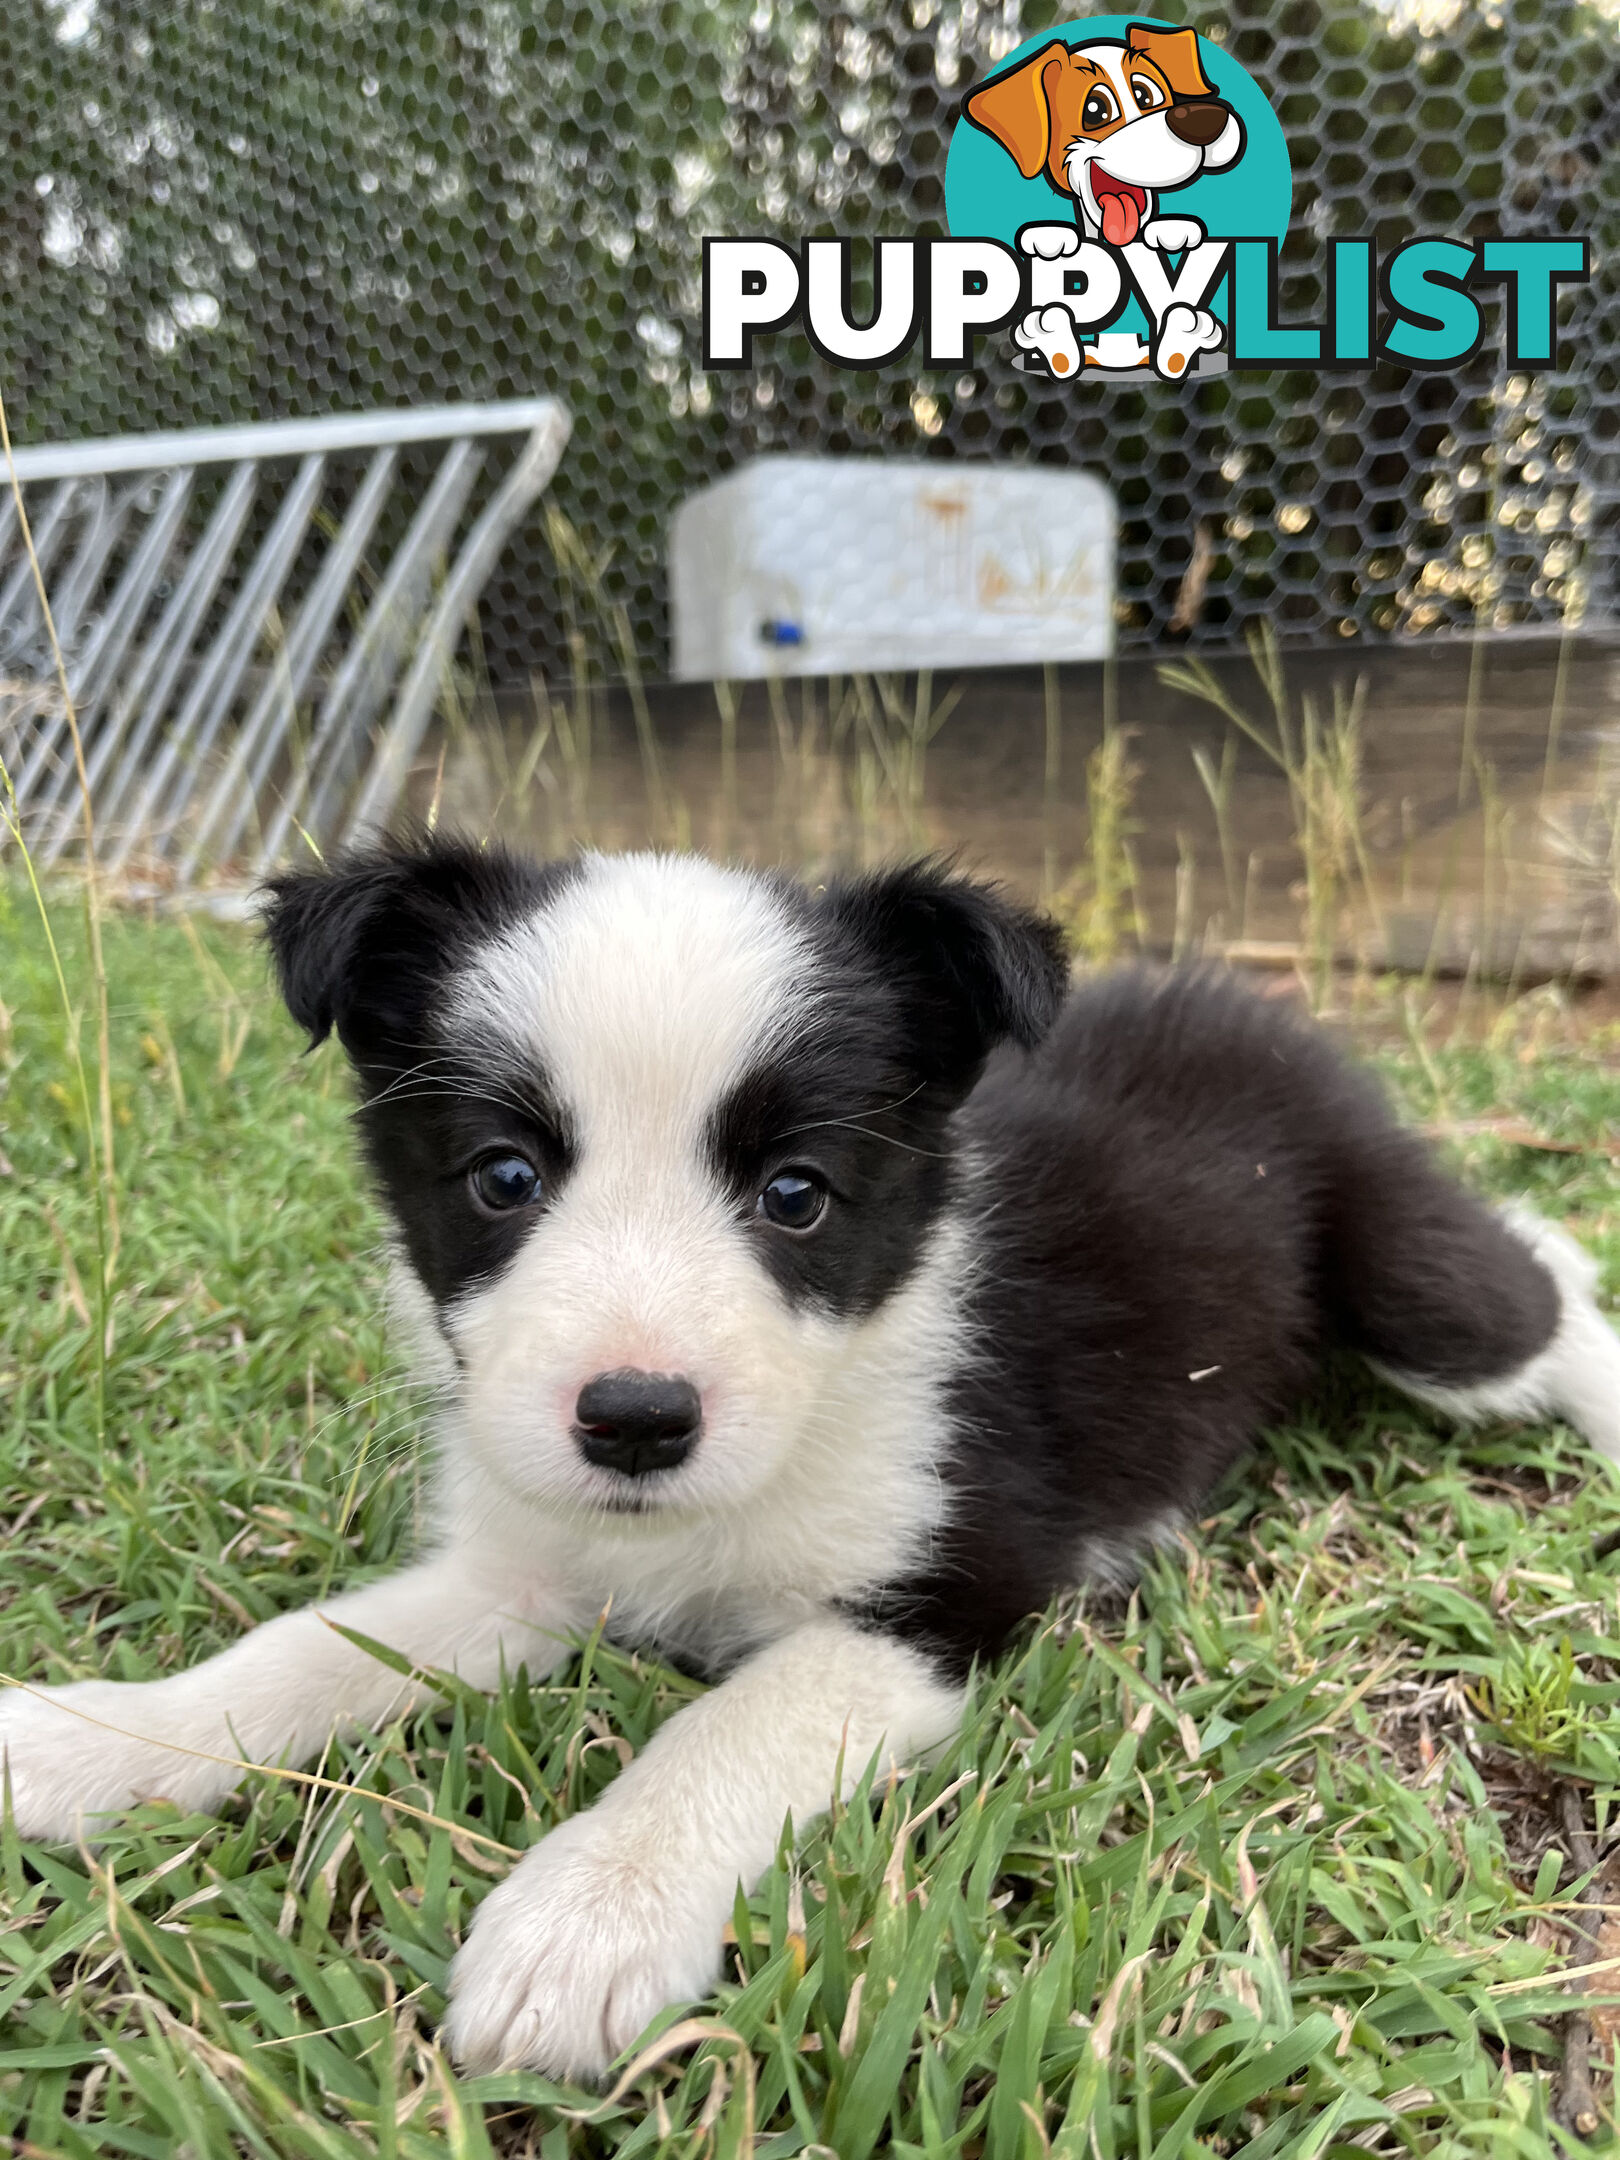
(663, 1143)
(1111, 123)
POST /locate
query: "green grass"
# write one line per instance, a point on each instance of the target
(1264, 1862)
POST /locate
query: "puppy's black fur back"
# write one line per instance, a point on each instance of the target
(1181, 1197)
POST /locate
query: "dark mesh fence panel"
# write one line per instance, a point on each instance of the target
(213, 211)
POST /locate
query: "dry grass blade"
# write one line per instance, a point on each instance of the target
(1577, 2103)
(1516, 1132)
(688, 2033)
(99, 1128)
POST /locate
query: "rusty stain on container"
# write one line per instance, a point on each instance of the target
(994, 583)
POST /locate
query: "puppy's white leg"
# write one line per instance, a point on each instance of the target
(1576, 1377)
(620, 1910)
(276, 1696)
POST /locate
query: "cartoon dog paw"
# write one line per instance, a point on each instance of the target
(1170, 235)
(1184, 333)
(1049, 331)
(1050, 242)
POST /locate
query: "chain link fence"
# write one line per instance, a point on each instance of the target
(213, 212)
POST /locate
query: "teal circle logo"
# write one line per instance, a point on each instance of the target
(1114, 154)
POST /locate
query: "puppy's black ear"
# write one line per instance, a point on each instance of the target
(365, 945)
(972, 967)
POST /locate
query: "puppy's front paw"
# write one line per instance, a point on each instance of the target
(586, 1940)
(75, 1753)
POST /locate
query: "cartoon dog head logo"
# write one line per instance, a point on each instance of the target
(1132, 124)
(1113, 124)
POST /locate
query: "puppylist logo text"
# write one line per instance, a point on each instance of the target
(1117, 193)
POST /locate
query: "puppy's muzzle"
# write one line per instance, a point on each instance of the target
(637, 1422)
(1199, 123)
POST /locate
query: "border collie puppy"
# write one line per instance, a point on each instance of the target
(817, 1283)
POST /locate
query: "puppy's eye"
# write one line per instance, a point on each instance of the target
(1098, 109)
(1147, 93)
(503, 1182)
(793, 1200)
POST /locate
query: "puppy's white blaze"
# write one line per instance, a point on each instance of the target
(642, 989)
(1577, 1376)
(642, 993)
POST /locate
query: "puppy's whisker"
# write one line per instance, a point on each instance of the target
(457, 1071)
(451, 1094)
(461, 1077)
(350, 1411)
(854, 1125)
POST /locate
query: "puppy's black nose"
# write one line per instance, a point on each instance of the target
(1199, 123)
(634, 1422)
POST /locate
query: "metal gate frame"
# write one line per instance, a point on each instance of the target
(187, 747)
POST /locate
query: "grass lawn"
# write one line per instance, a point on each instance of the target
(1269, 1861)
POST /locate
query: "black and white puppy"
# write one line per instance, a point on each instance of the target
(817, 1279)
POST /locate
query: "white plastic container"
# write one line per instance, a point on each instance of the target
(824, 566)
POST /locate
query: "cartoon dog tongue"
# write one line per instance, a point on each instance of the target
(1121, 219)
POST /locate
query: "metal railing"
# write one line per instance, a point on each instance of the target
(226, 681)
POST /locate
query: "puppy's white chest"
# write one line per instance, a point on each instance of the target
(710, 1595)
